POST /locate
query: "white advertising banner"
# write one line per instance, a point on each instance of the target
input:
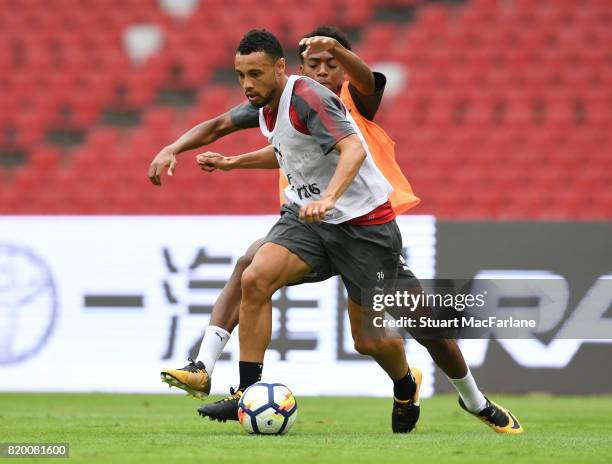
(103, 303)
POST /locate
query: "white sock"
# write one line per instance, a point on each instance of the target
(215, 339)
(470, 394)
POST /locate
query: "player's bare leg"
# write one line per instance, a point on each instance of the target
(388, 351)
(195, 377)
(273, 267)
(226, 311)
(448, 357)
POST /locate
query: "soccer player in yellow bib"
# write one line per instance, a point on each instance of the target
(327, 58)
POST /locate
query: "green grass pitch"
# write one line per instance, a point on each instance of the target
(165, 428)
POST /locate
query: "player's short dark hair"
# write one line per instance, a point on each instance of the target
(327, 31)
(260, 40)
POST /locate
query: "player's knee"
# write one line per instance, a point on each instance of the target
(371, 347)
(254, 284)
(433, 343)
(244, 261)
(256, 245)
(365, 346)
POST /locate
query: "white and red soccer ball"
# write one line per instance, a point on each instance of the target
(267, 408)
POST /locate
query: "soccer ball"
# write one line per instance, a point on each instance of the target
(267, 408)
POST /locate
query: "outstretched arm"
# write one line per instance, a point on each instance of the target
(259, 159)
(240, 117)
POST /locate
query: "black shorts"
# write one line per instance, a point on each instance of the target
(365, 257)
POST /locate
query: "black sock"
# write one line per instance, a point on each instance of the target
(404, 388)
(250, 373)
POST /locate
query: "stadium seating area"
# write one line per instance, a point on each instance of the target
(506, 113)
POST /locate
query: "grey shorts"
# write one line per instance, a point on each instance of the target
(365, 257)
